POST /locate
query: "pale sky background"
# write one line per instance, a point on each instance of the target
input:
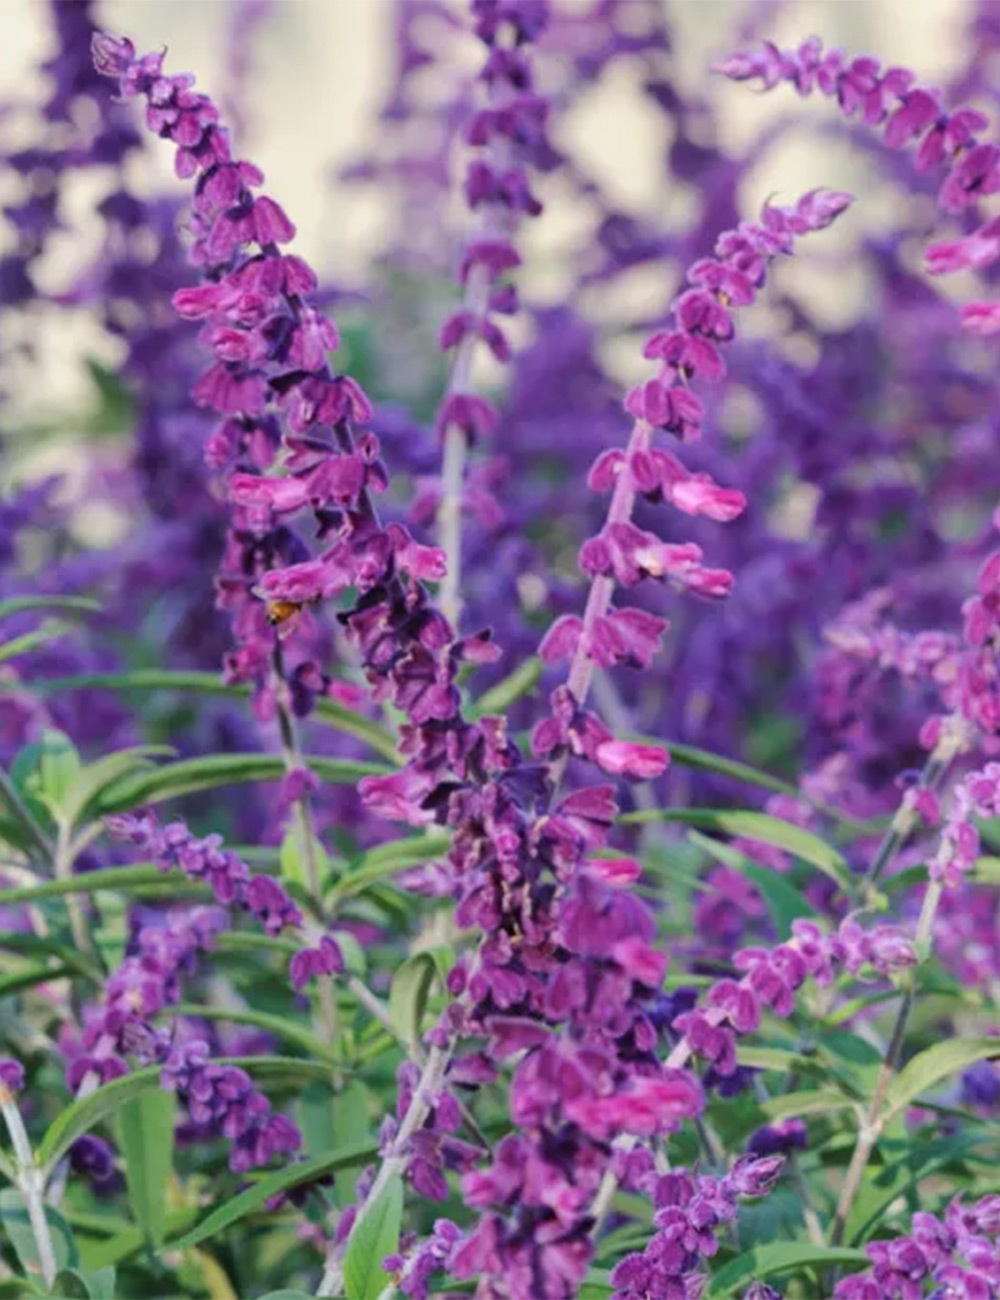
(319, 74)
(320, 67)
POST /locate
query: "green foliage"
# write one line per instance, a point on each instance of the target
(375, 1236)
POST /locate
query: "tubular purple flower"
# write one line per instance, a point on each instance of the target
(622, 554)
(508, 135)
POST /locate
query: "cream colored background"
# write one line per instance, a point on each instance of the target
(319, 73)
(320, 67)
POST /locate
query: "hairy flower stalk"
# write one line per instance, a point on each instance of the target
(507, 133)
(29, 1176)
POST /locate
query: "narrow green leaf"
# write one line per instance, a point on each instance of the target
(146, 1137)
(284, 1027)
(32, 945)
(883, 1184)
(76, 1284)
(351, 1122)
(95, 777)
(785, 903)
(20, 604)
(777, 1257)
(936, 1063)
(374, 1236)
(17, 1227)
(771, 1058)
(238, 1207)
(597, 1284)
(51, 630)
(98, 1255)
(153, 679)
(290, 860)
(207, 772)
(705, 760)
(755, 826)
(987, 871)
(387, 860)
(499, 698)
(89, 882)
(29, 977)
(411, 985)
(817, 1101)
(59, 768)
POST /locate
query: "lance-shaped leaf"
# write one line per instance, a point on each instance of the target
(254, 1197)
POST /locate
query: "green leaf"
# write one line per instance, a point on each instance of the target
(291, 865)
(238, 1207)
(75, 1284)
(68, 604)
(785, 903)
(89, 882)
(705, 760)
(500, 697)
(284, 1027)
(98, 1255)
(207, 772)
(95, 777)
(816, 1101)
(29, 977)
(17, 1226)
(934, 1064)
(388, 859)
(884, 1184)
(408, 995)
(51, 630)
(287, 1295)
(597, 1284)
(146, 1137)
(145, 680)
(778, 1257)
(114, 413)
(112, 935)
(755, 826)
(58, 768)
(375, 1235)
(351, 1121)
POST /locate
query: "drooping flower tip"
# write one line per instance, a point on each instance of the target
(11, 1077)
(636, 762)
(819, 208)
(737, 67)
(113, 55)
(618, 873)
(981, 317)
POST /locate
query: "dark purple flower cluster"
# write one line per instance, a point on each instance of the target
(772, 978)
(690, 1210)
(174, 847)
(222, 1099)
(147, 981)
(957, 1254)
